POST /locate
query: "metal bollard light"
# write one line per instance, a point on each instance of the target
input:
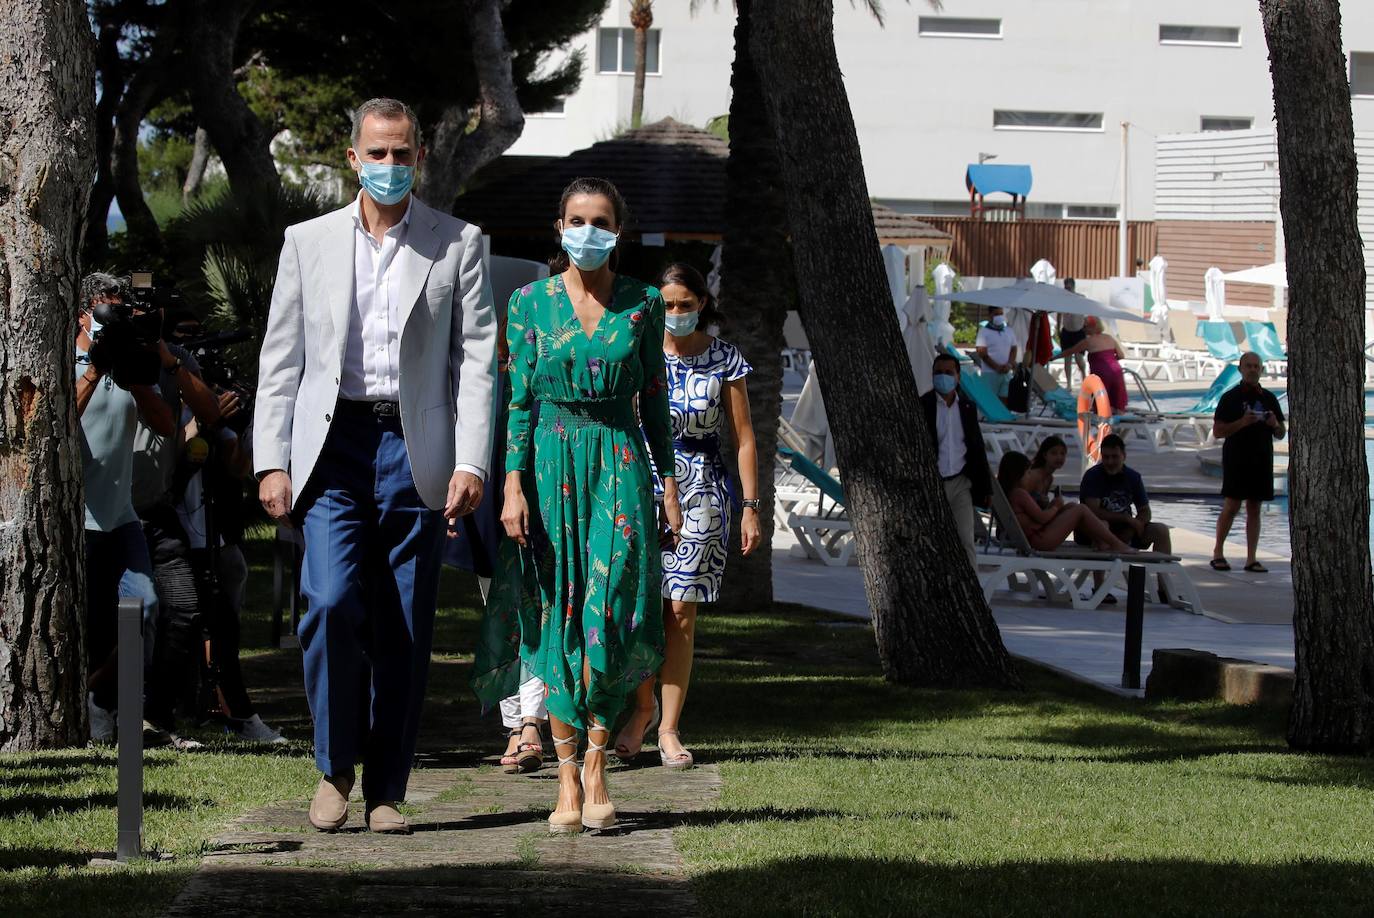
(1135, 625)
(130, 795)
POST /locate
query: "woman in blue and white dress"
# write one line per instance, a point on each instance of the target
(707, 396)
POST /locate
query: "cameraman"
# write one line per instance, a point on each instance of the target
(115, 548)
(156, 456)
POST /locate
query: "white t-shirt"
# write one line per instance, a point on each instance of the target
(999, 343)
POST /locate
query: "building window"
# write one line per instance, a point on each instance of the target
(1199, 35)
(1362, 73)
(955, 27)
(1090, 211)
(1046, 121)
(1226, 123)
(616, 51)
(555, 109)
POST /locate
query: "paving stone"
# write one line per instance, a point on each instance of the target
(480, 844)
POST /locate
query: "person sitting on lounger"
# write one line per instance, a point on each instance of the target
(1047, 528)
(1116, 493)
(1039, 478)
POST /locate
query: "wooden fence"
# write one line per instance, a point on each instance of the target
(1076, 248)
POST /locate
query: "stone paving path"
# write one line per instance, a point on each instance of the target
(481, 844)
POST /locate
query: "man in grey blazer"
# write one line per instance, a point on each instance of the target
(372, 430)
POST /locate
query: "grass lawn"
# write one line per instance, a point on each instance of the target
(842, 794)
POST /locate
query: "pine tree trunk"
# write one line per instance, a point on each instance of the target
(932, 624)
(195, 173)
(455, 152)
(757, 287)
(95, 238)
(243, 142)
(1333, 702)
(47, 157)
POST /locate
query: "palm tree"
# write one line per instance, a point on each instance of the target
(932, 624)
(641, 17)
(1333, 615)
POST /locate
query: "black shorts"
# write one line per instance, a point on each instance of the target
(1068, 339)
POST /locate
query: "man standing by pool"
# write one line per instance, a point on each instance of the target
(996, 344)
(1249, 419)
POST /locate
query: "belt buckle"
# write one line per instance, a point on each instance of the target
(386, 409)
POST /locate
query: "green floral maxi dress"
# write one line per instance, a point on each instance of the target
(588, 585)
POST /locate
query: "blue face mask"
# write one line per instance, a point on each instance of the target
(682, 324)
(997, 322)
(588, 246)
(944, 383)
(386, 184)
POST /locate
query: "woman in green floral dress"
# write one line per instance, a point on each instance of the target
(575, 600)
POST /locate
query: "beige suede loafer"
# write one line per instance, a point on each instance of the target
(329, 808)
(383, 816)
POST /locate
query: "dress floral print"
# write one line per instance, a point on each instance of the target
(588, 585)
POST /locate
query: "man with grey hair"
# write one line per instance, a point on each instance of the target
(373, 425)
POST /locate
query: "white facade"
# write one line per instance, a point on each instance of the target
(925, 90)
(1234, 175)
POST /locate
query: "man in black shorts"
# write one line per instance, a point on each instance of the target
(1116, 493)
(1249, 419)
(1071, 331)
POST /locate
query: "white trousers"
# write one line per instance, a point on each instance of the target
(529, 701)
(959, 493)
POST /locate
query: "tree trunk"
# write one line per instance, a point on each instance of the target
(195, 173)
(1333, 620)
(641, 65)
(455, 153)
(146, 88)
(757, 288)
(243, 142)
(932, 624)
(95, 238)
(47, 157)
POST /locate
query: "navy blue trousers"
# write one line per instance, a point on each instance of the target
(371, 578)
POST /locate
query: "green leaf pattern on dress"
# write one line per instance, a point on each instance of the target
(587, 587)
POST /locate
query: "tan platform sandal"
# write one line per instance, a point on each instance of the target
(676, 762)
(565, 822)
(529, 756)
(598, 816)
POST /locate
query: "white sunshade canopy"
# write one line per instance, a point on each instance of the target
(1271, 275)
(1029, 294)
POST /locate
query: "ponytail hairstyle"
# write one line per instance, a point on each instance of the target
(679, 272)
(1011, 470)
(590, 186)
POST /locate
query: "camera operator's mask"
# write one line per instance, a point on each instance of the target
(95, 325)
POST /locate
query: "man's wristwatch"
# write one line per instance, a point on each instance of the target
(750, 504)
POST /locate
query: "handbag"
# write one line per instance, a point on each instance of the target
(1018, 390)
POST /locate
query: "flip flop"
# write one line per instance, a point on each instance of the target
(1254, 567)
(1220, 564)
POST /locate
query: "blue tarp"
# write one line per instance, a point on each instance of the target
(989, 179)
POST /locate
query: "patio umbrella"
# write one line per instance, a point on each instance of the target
(1028, 294)
(1159, 312)
(940, 328)
(1215, 284)
(1272, 275)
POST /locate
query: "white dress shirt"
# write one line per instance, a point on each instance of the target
(372, 351)
(949, 430)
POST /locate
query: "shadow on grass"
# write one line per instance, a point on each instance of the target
(40, 805)
(812, 886)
